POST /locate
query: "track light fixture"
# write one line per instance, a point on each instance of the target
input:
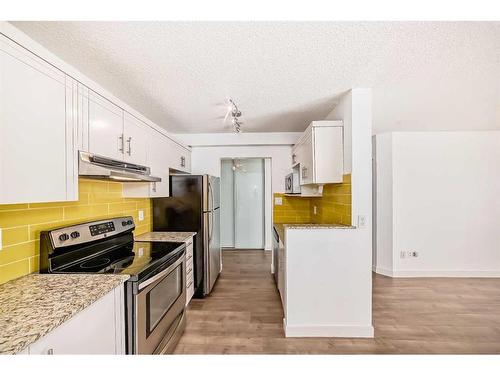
(235, 114)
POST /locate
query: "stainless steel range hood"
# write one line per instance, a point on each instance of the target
(102, 168)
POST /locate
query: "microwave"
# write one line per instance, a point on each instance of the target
(292, 184)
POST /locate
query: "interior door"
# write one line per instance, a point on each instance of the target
(249, 204)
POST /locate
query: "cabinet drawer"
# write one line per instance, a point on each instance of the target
(189, 292)
(189, 269)
(189, 279)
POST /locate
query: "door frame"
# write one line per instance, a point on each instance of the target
(268, 199)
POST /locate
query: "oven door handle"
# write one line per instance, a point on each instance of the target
(161, 274)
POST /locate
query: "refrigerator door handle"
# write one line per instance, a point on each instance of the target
(211, 230)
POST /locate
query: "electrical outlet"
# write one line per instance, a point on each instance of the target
(315, 210)
(361, 221)
(278, 201)
(409, 254)
(141, 215)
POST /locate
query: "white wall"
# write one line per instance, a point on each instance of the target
(445, 203)
(343, 111)
(208, 159)
(227, 204)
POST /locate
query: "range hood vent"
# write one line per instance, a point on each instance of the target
(102, 168)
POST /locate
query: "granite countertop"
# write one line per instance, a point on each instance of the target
(165, 236)
(33, 305)
(281, 227)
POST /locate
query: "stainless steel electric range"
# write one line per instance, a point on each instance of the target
(155, 293)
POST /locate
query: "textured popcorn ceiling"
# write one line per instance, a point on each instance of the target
(425, 76)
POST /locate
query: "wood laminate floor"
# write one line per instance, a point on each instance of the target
(243, 315)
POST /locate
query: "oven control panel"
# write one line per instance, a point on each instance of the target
(97, 229)
(87, 232)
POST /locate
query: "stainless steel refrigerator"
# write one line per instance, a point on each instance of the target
(193, 206)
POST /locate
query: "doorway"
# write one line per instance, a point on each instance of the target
(243, 203)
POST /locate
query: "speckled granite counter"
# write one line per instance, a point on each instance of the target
(33, 305)
(165, 236)
(280, 228)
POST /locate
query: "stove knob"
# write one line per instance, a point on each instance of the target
(75, 234)
(130, 222)
(63, 237)
(124, 223)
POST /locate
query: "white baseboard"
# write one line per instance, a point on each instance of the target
(383, 271)
(329, 331)
(436, 273)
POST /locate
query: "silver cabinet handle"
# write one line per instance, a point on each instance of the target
(121, 145)
(129, 141)
(183, 161)
(154, 187)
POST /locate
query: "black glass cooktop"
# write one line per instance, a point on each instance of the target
(133, 258)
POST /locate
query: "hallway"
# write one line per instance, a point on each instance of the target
(441, 315)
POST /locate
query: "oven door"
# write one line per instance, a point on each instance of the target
(159, 306)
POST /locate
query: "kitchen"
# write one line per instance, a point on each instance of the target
(121, 236)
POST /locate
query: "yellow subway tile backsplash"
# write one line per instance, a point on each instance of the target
(333, 207)
(14, 270)
(17, 252)
(29, 216)
(22, 223)
(11, 236)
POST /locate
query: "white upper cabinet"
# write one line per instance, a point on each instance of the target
(135, 135)
(319, 153)
(37, 129)
(105, 127)
(180, 157)
(158, 160)
(46, 117)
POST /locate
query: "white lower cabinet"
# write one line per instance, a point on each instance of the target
(189, 270)
(98, 329)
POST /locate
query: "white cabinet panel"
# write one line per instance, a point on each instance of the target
(92, 331)
(158, 159)
(180, 157)
(136, 140)
(319, 152)
(36, 129)
(105, 128)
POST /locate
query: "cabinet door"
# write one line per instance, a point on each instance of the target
(306, 161)
(180, 157)
(37, 156)
(92, 331)
(105, 127)
(159, 164)
(136, 140)
(329, 154)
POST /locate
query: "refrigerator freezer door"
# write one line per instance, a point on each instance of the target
(214, 186)
(212, 249)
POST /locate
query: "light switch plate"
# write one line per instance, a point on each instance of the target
(278, 201)
(315, 210)
(141, 215)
